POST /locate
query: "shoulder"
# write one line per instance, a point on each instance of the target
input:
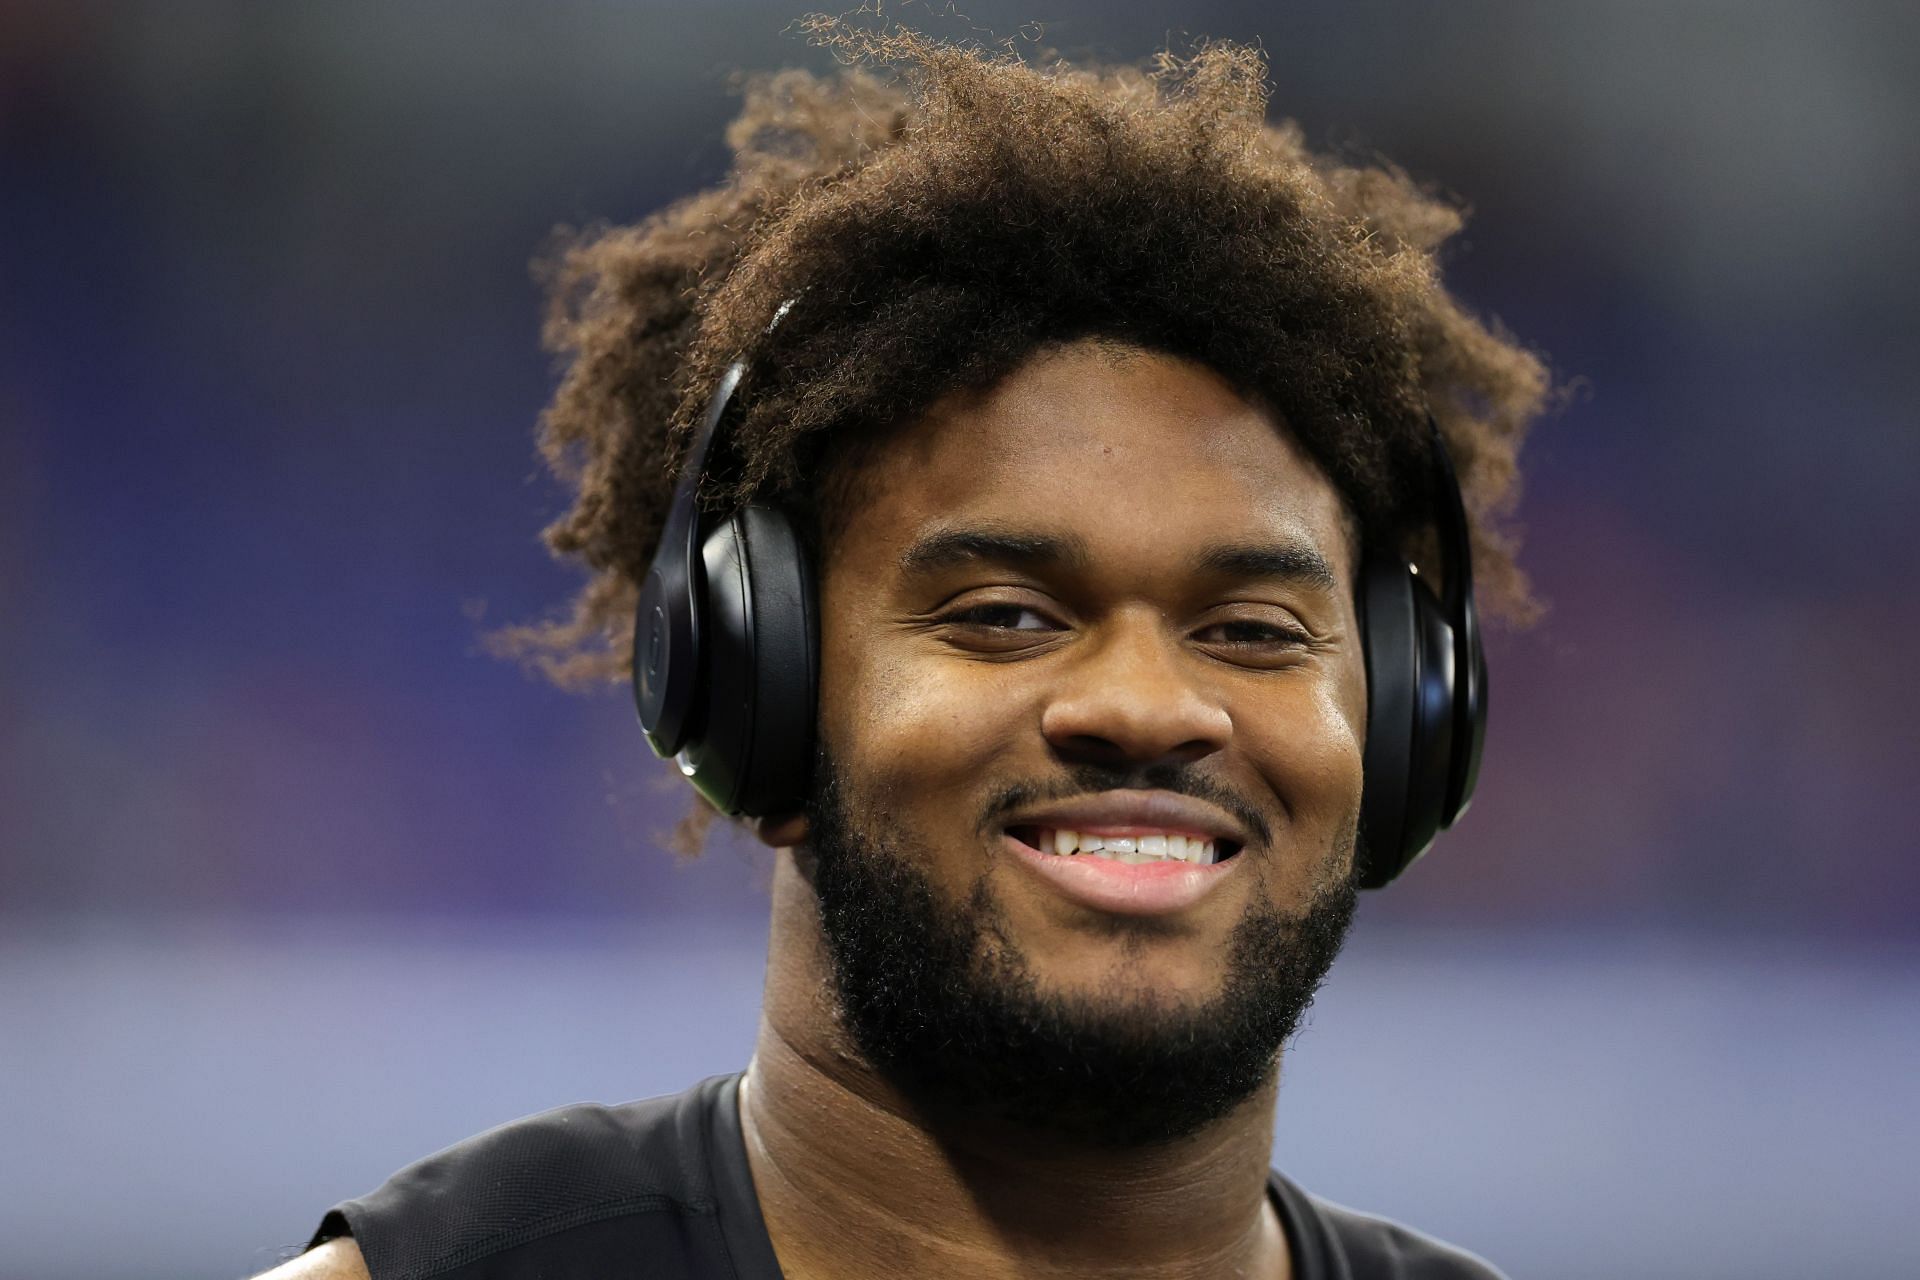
(1379, 1246)
(536, 1178)
(334, 1260)
(512, 1178)
(660, 1135)
(1376, 1248)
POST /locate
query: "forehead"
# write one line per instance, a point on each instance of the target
(1128, 450)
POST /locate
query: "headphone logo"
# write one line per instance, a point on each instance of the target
(656, 639)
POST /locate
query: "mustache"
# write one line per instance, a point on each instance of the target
(1090, 779)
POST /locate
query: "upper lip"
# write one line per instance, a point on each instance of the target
(1164, 809)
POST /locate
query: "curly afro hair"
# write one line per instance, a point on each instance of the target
(943, 213)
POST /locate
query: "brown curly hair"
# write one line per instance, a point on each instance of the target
(941, 213)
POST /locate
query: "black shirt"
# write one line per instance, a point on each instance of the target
(660, 1190)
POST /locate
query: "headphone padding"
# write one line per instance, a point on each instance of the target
(1431, 750)
(755, 739)
(1387, 623)
(784, 665)
(716, 756)
(1470, 719)
(1410, 720)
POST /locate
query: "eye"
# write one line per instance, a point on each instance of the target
(1000, 617)
(1273, 640)
(1000, 628)
(1245, 632)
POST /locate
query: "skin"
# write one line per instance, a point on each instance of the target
(335, 1260)
(939, 688)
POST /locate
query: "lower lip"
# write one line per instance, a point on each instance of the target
(1124, 888)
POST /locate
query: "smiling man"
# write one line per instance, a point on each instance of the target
(1013, 495)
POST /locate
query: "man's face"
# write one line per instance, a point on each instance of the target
(1108, 597)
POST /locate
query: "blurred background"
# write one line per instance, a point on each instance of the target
(297, 884)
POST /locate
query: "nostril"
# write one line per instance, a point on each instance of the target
(1094, 750)
(1109, 753)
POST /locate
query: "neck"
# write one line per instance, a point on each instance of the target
(854, 1180)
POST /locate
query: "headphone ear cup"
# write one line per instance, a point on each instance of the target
(754, 743)
(1387, 629)
(1430, 771)
(1470, 718)
(1410, 720)
(786, 664)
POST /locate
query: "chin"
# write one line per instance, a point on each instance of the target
(1129, 978)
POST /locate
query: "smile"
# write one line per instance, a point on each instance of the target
(1133, 845)
(1138, 853)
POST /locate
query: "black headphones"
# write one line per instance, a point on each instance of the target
(1426, 690)
(725, 668)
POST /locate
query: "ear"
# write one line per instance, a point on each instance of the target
(780, 830)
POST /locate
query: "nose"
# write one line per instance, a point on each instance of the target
(1130, 699)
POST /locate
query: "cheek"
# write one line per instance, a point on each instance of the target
(1330, 767)
(1309, 746)
(915, 737)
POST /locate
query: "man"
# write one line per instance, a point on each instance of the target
(1049, 447)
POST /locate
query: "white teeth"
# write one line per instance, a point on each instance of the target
(1129, 849)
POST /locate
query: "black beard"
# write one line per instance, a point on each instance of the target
(941, 1002)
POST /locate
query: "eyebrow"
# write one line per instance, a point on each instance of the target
(1289, 561)
(947, 548)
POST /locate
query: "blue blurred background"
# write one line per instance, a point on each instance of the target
(296, 884)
